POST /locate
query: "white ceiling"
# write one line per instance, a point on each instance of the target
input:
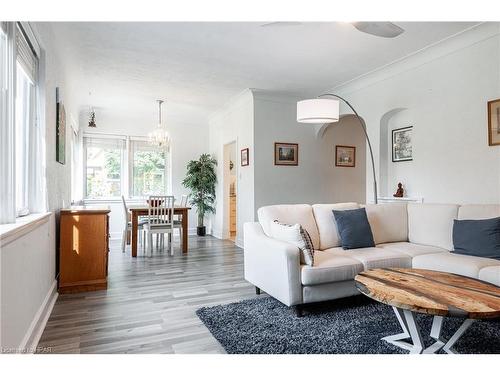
(197, 67)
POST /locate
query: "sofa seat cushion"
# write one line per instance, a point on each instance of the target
(330, 266)
(490, 274)
(292, 214)
(327, 227)
(464, 265)
(412, 249)
(389, 222)
(376, 257)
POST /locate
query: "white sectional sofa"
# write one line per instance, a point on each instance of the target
(413, 235)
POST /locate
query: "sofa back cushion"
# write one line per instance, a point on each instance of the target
(327, 227)
(389, 222)
(291, 214)
(478, 211)
(431, 224)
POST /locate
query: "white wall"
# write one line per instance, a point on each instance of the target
(256, 119)
(444, 90)
(28, 264)
(315, 179)
(28, 286)
(234, 122)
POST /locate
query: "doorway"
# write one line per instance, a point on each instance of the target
(230, 191)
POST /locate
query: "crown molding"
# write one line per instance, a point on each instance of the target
(447, 46)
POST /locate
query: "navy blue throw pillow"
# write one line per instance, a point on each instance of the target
(354, 229)
(480, 238)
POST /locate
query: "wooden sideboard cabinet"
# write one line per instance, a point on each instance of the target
(83, 249)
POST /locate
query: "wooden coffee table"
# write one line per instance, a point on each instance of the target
(440, 294)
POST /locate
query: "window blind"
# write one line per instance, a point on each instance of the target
(26, 55)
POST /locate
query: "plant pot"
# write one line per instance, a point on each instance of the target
(201, 231)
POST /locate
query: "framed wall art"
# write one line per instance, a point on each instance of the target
(402, 144)
(60, 129)
(494, 122)
(286, 154)
(245, 159)
(345, 156)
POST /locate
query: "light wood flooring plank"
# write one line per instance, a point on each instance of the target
(150, 303)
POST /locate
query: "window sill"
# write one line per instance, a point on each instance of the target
(22, 226)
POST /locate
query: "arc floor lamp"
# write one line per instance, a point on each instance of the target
(323, 111)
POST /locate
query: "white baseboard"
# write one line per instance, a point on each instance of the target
(218, 235)
(239, 242)
(37, 326)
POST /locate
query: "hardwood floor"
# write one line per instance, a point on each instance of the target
(150, 303)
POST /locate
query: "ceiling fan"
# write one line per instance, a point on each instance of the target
(381, 29)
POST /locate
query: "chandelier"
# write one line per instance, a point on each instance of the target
(159, 137)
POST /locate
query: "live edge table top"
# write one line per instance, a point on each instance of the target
(431, 292)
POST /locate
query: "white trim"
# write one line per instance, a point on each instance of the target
(96, 134)
(37, 326)
(217, 234)
(239, 242)
(222, 111)
(22, 226)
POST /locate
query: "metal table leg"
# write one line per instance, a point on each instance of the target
(411, 331)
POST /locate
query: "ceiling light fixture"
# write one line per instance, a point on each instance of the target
(159, 137)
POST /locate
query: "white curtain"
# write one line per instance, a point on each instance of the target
(7, 119)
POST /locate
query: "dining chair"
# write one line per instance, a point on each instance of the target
(178, 218)
(160, 221)
(128, 225)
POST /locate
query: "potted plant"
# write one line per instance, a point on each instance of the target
(200, 180)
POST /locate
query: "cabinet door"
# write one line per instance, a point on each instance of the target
(83, 245)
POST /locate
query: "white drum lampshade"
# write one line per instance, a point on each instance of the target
(318, 111)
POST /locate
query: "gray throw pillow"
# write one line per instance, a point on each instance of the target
(479, 238)
(354, 229)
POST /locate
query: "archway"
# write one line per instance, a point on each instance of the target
(348, 183)
(385, 155)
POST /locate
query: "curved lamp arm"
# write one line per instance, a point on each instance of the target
(367, 139)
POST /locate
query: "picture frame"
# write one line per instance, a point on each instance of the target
(402, 144)
(245, 157)
(286, 154)
(345, 156)
(60, 129)
(494, 122)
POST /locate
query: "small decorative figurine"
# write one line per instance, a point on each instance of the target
(400, 192)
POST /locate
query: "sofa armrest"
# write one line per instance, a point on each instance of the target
(272, 265)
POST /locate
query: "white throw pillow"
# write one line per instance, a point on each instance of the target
(296, 235)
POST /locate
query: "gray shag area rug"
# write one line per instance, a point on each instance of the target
(352, 325)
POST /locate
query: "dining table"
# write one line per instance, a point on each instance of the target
(142, 210)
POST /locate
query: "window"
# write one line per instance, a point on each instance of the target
(25, 106)
(22, 138)
(148, 169)
(115, 166)
(25, 117)
(103, 167)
